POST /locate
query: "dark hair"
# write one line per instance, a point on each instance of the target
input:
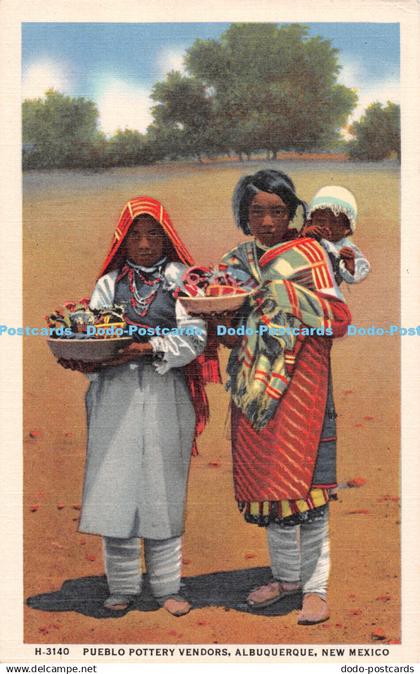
(267, 180)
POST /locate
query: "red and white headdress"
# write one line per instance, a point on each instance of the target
(132, 209)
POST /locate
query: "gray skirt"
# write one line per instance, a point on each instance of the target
(140, 434)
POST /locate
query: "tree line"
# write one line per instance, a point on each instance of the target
(259, 88)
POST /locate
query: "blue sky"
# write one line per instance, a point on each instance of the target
(116, 64)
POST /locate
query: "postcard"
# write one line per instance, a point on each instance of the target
(209, 333)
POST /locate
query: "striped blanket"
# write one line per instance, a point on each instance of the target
(295, 280)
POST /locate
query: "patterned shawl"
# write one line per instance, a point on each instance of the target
(278, 461)
(294, 279)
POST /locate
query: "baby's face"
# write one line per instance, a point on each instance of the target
(335, 227)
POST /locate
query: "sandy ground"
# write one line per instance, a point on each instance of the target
(68, 224)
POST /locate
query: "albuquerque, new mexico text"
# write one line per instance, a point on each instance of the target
(285, 652)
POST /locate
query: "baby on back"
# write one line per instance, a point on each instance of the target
(332, 218)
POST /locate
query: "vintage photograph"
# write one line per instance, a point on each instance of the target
(211, 348)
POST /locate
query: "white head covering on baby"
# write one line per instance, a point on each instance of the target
(338, 200)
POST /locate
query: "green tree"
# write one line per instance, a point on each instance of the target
(167, 141)
(243, 138)
(274, 81)
(61, 129)
(129, 148)
(182, 116)
(377, 134)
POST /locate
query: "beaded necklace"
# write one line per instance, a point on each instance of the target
(141, 303)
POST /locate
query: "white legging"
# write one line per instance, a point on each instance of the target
(122, 565)
(301, 554)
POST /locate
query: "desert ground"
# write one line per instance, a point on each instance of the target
(69, 219)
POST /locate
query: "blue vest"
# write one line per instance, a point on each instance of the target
(160, 312)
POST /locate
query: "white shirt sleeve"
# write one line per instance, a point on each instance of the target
(103, 294)
(180, 349)
(361, 265)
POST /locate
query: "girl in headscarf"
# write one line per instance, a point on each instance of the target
(144, 409)
(283, 417)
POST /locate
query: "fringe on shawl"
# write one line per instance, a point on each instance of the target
(203, 370)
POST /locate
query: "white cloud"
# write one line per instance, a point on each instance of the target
(122, 104)
(43, 75)
(354, 75)
(381, 92)
(171, 59)
(384, 91)
(351, 74)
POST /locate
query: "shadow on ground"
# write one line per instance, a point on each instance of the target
(226, 589)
